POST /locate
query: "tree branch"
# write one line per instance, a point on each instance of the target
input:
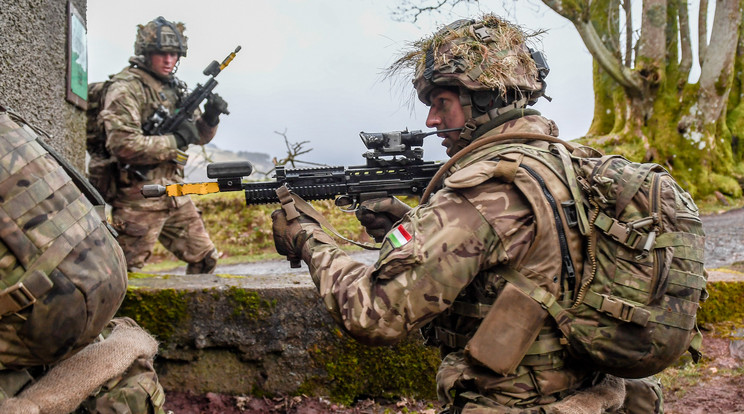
(685, 62)
(718, 64)
(628, 33)
(702, 31)
(578, 14)
(652, 52)
(609, 63)
(407, 8)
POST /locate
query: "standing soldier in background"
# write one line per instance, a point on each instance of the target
(443, 264)
(131, 99)
(62, 279)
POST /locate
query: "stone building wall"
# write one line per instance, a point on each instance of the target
(33, 70)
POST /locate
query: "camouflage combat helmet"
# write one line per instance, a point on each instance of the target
(160, 35)
(487, 61)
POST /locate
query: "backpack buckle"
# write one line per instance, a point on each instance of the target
(15, 298)
(624, 311)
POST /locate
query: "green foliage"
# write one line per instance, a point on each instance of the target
(726, 185)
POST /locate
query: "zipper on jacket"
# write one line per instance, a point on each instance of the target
(567, 265)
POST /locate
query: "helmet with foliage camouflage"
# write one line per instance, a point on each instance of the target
(486, 60)
(160, 35)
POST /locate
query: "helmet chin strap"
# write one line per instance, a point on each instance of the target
(473, 122)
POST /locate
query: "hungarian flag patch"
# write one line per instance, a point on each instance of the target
(399, 236)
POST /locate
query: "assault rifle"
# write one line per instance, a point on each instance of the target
(395, 166)
(162, 122)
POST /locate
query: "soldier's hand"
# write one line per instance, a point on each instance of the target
(290, 236)
(213, 108)
(378, 215)
(186, 134)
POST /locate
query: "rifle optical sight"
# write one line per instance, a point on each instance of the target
(229, 169)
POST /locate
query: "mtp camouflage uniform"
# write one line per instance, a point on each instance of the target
(62, 274)
(441, 267)
(131, 98)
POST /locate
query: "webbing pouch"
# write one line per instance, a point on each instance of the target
(508, 331)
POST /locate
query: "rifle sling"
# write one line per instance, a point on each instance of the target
(293, 205)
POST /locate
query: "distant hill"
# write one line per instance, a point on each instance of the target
(199, 157)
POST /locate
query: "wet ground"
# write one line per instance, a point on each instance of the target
(724, 241)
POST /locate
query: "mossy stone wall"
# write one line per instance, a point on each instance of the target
(267, 336)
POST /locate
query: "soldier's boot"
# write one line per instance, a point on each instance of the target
(205, 265)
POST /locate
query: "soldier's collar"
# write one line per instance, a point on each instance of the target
(504, 118)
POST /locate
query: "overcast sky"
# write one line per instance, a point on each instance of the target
(313, 68)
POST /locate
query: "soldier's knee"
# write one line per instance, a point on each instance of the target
(137, 391)
(205, 265)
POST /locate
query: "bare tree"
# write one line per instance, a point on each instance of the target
(294, 151)
(645, 107)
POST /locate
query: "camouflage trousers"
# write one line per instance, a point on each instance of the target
(136, 391)
(179, 229)
(642, 396)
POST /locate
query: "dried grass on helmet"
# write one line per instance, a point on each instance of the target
(499, 60)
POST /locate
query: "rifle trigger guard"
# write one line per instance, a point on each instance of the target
(288, 204)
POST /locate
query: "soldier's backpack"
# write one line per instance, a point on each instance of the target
(632, 312)
(102, 168)
(62, 273)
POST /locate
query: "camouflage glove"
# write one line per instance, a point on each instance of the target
(290, 236)
(213, 108)
(378, 215)
(186, 134)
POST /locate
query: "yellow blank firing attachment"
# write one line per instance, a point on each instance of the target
(174, 190)
(229, 58)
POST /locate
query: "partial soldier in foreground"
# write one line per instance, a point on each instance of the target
(63, 278)
(133, 102)
(442, 264)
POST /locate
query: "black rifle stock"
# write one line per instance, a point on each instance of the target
(162, 122)
(403, 173)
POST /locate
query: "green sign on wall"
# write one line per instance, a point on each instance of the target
(77, 59)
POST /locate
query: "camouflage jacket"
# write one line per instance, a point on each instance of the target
(446, 252)
(130, 100)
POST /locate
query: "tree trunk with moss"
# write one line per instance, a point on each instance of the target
(645, 108)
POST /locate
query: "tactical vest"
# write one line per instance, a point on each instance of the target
(104, 171)
(531, 346)
(62, 273)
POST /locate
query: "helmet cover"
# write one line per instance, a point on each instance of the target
(161, 35)
(485, 55)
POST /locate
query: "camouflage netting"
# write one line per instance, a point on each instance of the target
(488, 54)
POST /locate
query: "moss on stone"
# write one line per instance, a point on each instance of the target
(248, 303)
(354, 370)
(158, 311)
(723, 304)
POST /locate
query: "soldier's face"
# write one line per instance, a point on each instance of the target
(446, 112)
(163, 63)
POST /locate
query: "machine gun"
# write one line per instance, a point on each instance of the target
(395, 166)
(162, 122)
